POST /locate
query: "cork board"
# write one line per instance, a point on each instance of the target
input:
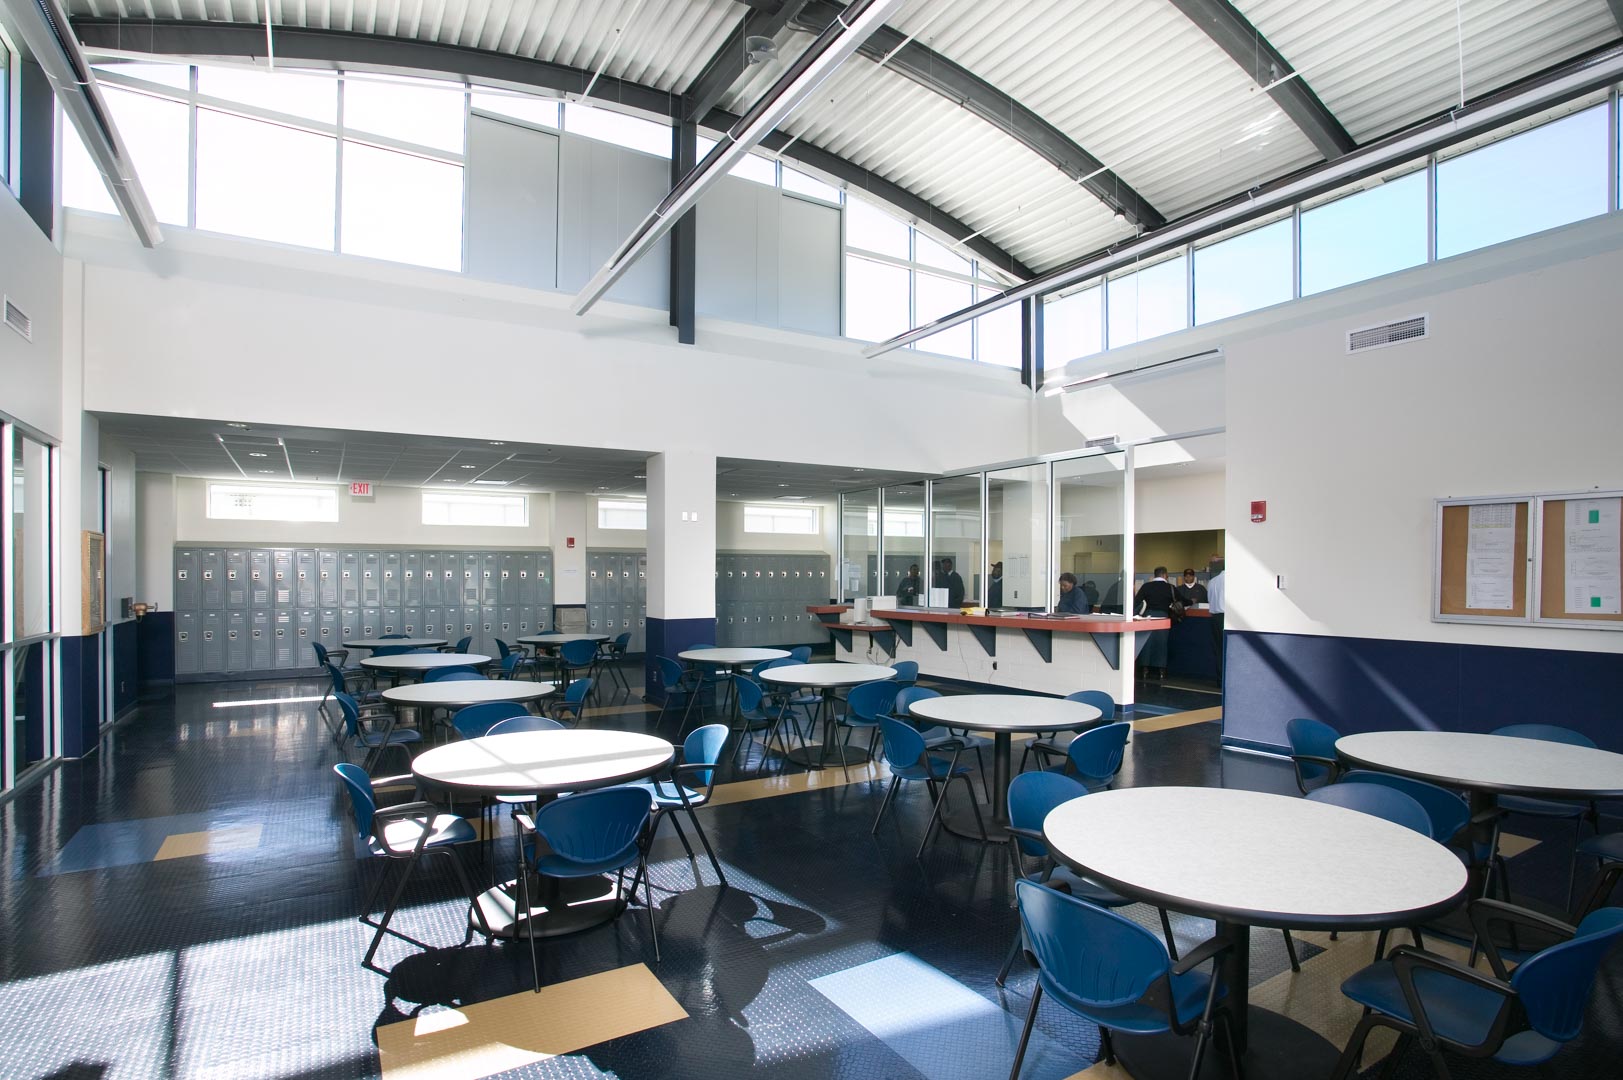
(1560, 568)
(1453, 550)
(93, 583)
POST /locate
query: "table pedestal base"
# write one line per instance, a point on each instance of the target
(959, 819)
(562, 906)
(811, 756)
(1277, 1046)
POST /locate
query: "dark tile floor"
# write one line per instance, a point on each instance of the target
(183, 903)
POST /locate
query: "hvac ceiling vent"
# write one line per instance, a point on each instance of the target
(1393, 333)
(18, 321)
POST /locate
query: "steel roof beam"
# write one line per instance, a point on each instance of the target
(1235, 35)
(731, 59)
(935, 72)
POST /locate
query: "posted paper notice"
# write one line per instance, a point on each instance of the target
(1593, 564)
(1490, 557)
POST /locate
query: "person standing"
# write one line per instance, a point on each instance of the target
(947, 578)
(994, 587)
(1190, 591)
(1072, 600)
(907, 589)
(1091, 591)
(1215, 599)
(1154, 598)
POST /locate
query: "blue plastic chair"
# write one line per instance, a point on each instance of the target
(1517, 1018)
(1577, 813)
(525, 722)
(935, 735)
(1052, 747)
(910, 759)
(589, 834)
(579, 655)
(907, 672)
(1032, 796)
(1111, 971)
(864, 705)
(688, 786)
(574, 702)
(463, 645)
(800, 654)
(356, 680)
(1608, 850)
(1313, 751)
(1095, 757)
(452, 674)
(612, 654)
(405, 833)
(375, 742)
(391, 650)
(474, 721)
(679, 682)
(753, 715)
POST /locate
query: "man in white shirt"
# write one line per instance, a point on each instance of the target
(1214, 601)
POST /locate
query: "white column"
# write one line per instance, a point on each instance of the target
(681, 555)
(568, 564)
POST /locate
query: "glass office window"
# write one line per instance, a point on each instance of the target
(1148, 303)
(784, 519)
(402, 207)
(157, 134)
(955, 530)
(756, 168)
(313, 97)
(1540, 179)
(870, 228)
(802, 184)
(1073, 326)
(1089, 515)
(876, 300)
(265, 181)
(622, 514)
(859, 537)
(930, 253)
(1243, 273)
(1365, 234)
(30, 675)
(903, 521)
(82, 185)
(175, 76)
(632, 132)
(1017, 533)
(525, 107)
(411, 110)
(30, 500)
(997, 335)
(936, 297)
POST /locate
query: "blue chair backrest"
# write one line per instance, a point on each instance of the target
(321, 652)
(800, 654)
(577, 691)
(462, 645)
(336, 676)
(782, 661)
(905, 698)
(907, 671)
(1448, 812)
(622, 641)
(904, 746)
(749, 695)
(1094, 956)
(503, 649)
(872, 700)
(1098, 699)
(510, 662)
(351, 711)
(525, 722)
(1031, 796)
(1546, 733)
(1554, 984)
(452, 674)
(594, 825)
(578, 653)
(670, 672)
(1096, 754)
(477, 720)
(703, 746)
(361, 800)
(391, 650)
(1382, 802)
(391, 637)
(1312, 737)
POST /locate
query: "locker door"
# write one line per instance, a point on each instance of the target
(526, 579)
(187, 576)
(304, 577)
(411, 585)
(330, 629)
(507, 630)
(371, 579)
(594, 578)
(526, 621)
(490, 579)
(282, 577)
(214, 639)
(236, 579)
(349, 626)
(594, 617)
(286, 637)
(392, 623)
(349, 582)
(371, 623)
(213, 582)
(391, 579)
(188, 639)
(489, 621)
(236, 640)
(327, 586)
(307, 627)
(433, 596)
(469, 625)
(259, 578)
(469, 595)
(411, 619)
(260, 654)
(507, 588)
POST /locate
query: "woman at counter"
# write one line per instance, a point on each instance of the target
(1072, 600)
(1155, 599)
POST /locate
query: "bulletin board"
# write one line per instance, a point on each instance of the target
(1581, 560)
(1483, 569)
(93, 583)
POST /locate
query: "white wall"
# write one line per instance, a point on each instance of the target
(1180, 503)
(730, 534)
(155, 539)
(121, 526)
(31, 275)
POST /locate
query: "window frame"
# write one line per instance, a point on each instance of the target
(622, 505)
(322, 493)
(451, 498)
(780, 513)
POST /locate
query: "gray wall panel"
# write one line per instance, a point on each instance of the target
(609, 191)
(512, 201)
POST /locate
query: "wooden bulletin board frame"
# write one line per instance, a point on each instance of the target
(1448, 595)
(1550, 600)
(93, 583)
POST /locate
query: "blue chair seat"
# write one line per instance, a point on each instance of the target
(402, 835)
(929, 768)
(554, 865)
(1604, 846)
(397, 737)
(1188, 991)
(1458, 1010)
(666, 796)
(1550, 808)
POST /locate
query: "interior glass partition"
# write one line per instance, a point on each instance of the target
(1018, 534)
(30, 538)
(1088, 513)
(955, 530)
(902, 520)
(859, 544)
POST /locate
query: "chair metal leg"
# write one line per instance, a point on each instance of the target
(1230, 1045)
(1572, 864)
(1380, 943)
(1205, 1033)
(681, 835)
(1355, 1048)
(1107, 1047)
(885, 805)
(1166, 928)
(986, 783)
(1025, 1034)
(394, 902)
(1290, 950)
(648, 899)
(708, 850)
(935, 815)
(471, 893)
(1008, 961)
(980, 824)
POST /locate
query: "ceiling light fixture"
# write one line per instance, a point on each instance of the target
(470, 466)
(497, 442)
(239, 427)
(256, 453)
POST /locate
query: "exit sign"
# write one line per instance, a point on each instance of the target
(360, 487)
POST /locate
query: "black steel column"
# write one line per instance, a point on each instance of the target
(684, 237)
(36, 180)
(1031, 343)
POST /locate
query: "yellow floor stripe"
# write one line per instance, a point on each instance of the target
(613, 710)
(1101, 1071)
(794, 783)
(521, 1029)
(1511, 845)
(211, 842)
(1177, 720)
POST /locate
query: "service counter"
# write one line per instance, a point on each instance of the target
(1192, 652)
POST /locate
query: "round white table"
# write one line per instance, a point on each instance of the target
(732, 660)
(543, 764)
(1003, 715)
(460, 693)
(419, 663)
(1244, 859)
(552, 641)
(397, 643)
(825, 678)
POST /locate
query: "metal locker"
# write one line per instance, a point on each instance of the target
(468, 594)
(490, 578)
(432, 594)
(284, 636)
(371, 579)
(304, 577)
(307, 627)
(489, 623)
(628, 618)
(507, 586)
(469, 626)
(261, 657)
(411, 622)
(236, 579)
(331, 628)
(371, 621)
(391, 579)
(349, 627)
(594, 577)
(188, 638)
(507, 629)
(213, 586)
(349, 580)
(431, 622)
(236, 640)
(327, 585)
(526, 579)
(392, 623)
(450, 624)
(526, 622)
(594, 617)
(629, 583)
(282, 577)
(411, 579)
(186, 581)
(259, 578)
(213, 624)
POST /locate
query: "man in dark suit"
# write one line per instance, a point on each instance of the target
(1154, 599)
(947, 578)
(1190, 591)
